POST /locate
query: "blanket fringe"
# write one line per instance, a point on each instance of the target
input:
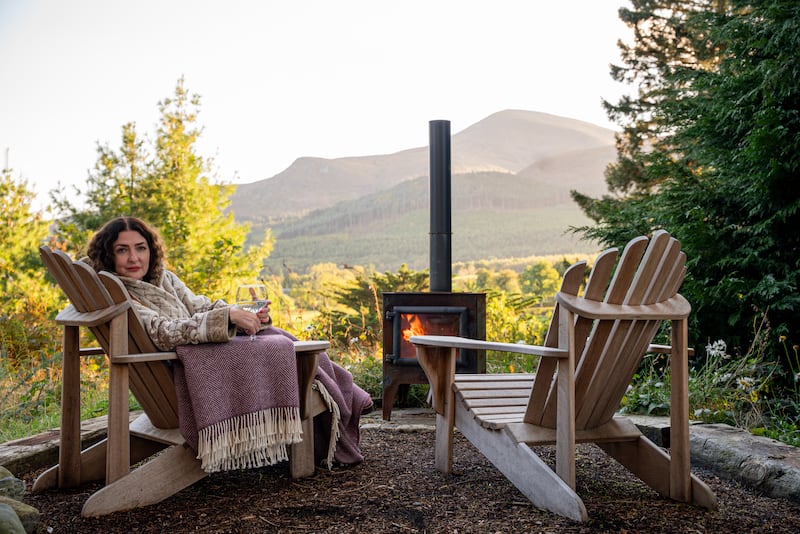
(336, 416)
(251, 440)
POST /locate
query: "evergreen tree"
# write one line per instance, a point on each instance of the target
(171, 190)
(26, 304)
(710, 150)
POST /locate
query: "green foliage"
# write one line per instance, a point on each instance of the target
(21, 231)
(385, 245)
(710, 150)
(741, 390)
(26, 305)
(352, 317)
(29, 395)
(363, 361)
(168, 186)
(515, 318)
(356, 315)
(540, 278)
(518, 307)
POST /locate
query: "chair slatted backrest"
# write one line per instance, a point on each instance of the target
(608, 352)
(150, 382)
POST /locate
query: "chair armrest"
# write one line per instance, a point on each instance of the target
(91, 351)
(144, 357)
(674, 308)
(437, 356)
(465, 343)
(69, 316)
(302, 348)
(665, 349)
(311, 346)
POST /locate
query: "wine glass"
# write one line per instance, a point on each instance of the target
(251, 297)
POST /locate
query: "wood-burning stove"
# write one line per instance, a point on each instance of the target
(440, 312)
(436, 313)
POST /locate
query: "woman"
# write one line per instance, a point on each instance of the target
(173, 316)
(170, 312)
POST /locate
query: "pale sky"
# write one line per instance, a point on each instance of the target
(283, 79)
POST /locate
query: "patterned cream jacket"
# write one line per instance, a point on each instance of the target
(172, 315)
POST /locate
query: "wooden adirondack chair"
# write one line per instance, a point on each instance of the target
(101, 303)
(591, 351)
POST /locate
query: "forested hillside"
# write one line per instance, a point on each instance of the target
(512, 177)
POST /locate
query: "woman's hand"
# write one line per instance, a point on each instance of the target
(246, 321)
(263, 314)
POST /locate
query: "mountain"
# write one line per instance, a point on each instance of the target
(512, 173)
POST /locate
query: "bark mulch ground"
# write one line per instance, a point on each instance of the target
(397, 489)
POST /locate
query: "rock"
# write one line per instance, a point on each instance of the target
(9, 522)
(12, 487)
(766, 465)
(28, 516)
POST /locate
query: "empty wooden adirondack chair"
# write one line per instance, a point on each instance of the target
(101, 303)
(592, 349)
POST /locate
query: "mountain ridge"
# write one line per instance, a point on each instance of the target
(505, 141)
(512, 173)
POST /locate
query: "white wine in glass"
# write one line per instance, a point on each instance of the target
(251, 297)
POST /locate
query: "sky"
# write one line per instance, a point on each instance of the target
(283, 79)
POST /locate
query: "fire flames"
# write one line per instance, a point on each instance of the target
(415, 327)
(434, 325)
(421, 324)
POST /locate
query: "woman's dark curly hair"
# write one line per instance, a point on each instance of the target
(101, 247)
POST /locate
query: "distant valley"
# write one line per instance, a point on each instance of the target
(512, 174)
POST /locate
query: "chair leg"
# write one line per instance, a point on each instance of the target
(652, 465)
(93, 462)
(92, 467)
(301, 455)
(387, 399)
(443, 454)
(165, 475)
(69, 451)
(523, 468)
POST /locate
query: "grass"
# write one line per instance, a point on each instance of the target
(30, 396)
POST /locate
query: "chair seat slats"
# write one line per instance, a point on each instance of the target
(618, 429)
(489, 393)
(494, 377)
(494, 385)
(498, 401)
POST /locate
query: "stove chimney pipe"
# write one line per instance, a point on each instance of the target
(440, 241)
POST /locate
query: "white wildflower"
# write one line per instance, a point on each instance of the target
(745, 383)
(718, 348)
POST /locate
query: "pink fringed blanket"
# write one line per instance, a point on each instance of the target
(238, 402)
(335, 383)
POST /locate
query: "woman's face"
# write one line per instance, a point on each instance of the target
(131, 255)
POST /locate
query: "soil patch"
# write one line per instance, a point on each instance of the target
(397, 489)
